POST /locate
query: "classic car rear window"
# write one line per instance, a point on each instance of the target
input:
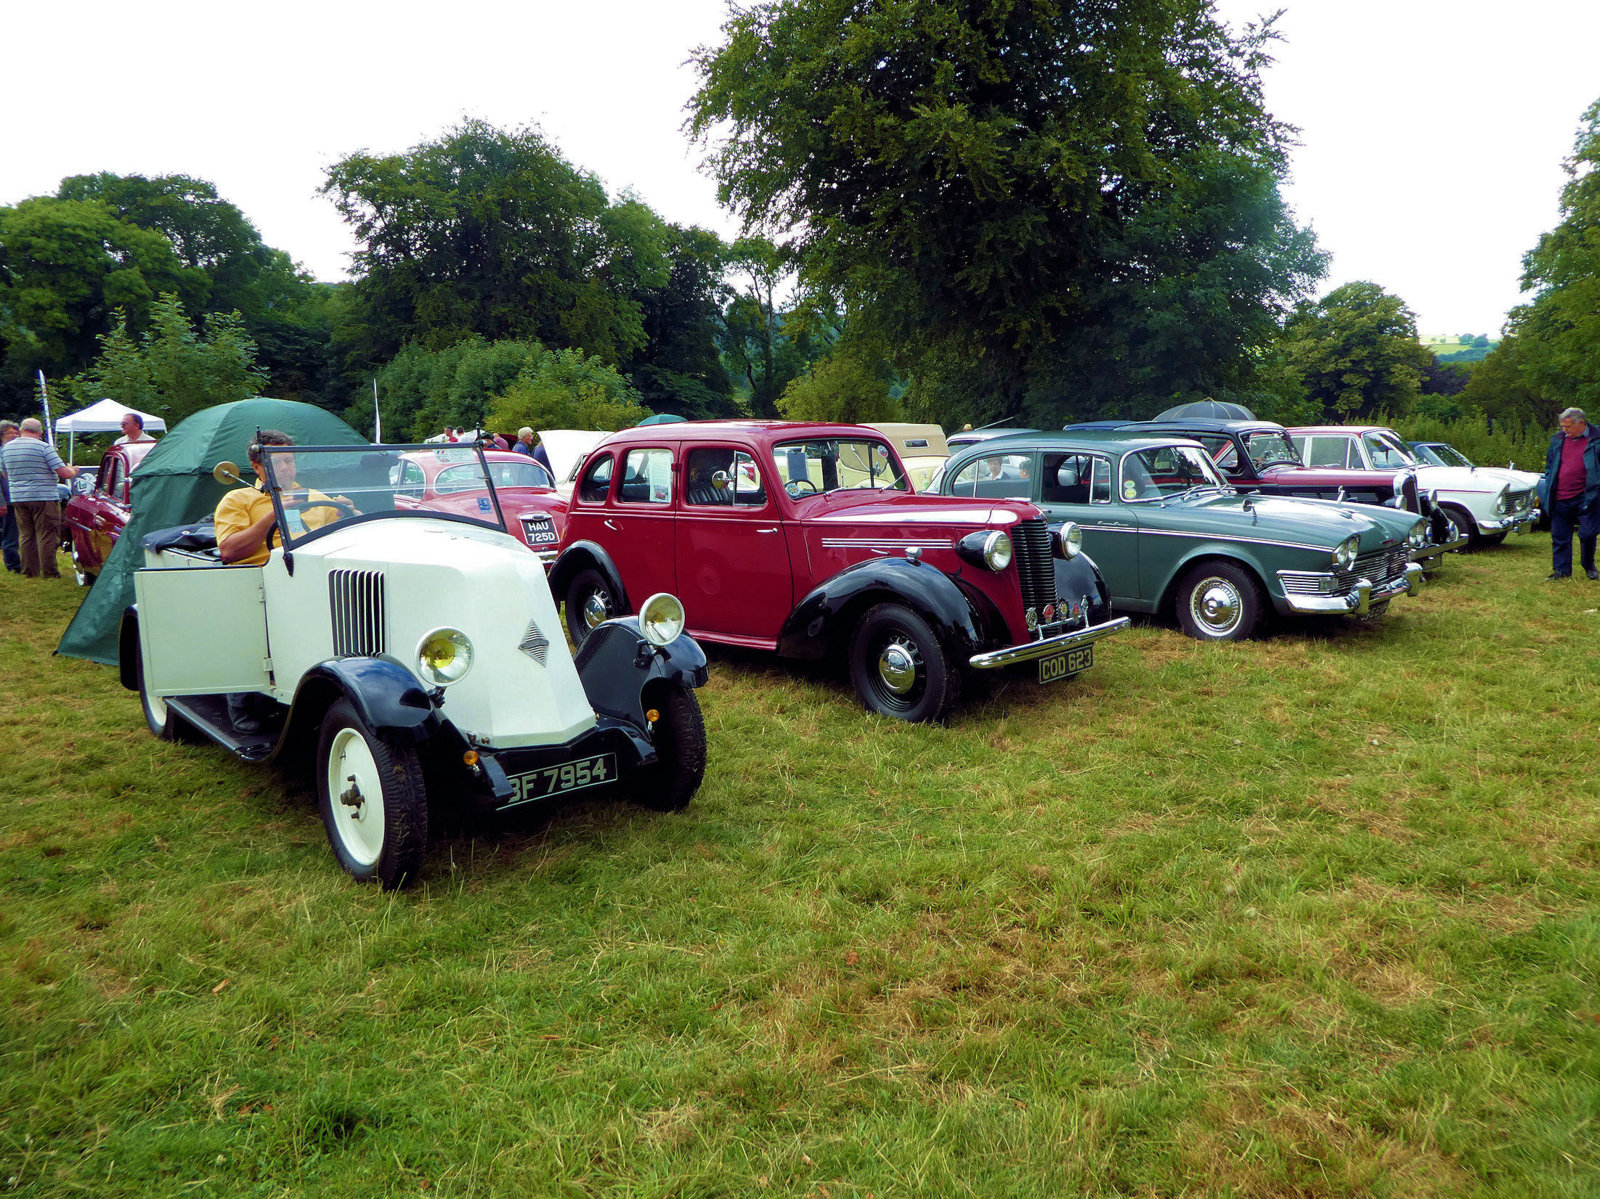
(1325, 451)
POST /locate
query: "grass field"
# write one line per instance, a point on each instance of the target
(1313, 915)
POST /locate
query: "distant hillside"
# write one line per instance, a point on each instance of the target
(1468, 347)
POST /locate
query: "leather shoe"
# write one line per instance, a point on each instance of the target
(1591, 572)
(1555, 576)
(246, 725)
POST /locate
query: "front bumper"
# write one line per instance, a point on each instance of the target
(1521, 522)
(1034, 650)
(1357, 601)
(1435, 550)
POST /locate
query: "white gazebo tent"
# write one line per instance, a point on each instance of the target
(104, 416)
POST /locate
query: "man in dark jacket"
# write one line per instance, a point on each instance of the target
(1572, 484)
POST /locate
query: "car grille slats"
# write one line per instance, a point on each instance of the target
(356, 602)
(1376, 566)
(1036, 568)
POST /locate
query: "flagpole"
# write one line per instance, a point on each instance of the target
(44, 398)
(377, 417)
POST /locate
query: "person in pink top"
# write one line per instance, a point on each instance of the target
(1571, 486)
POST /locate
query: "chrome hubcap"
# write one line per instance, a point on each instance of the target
(595, 609)
(897, 667)
(1217, 605)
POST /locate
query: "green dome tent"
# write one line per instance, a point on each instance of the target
(173, 486)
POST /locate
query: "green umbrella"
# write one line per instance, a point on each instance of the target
(662, 418)
(173, 486)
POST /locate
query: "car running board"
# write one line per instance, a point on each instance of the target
(209, 714)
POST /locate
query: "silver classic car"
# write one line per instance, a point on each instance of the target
(1171, 535)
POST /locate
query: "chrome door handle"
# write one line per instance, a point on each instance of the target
(613, 527)
(774, 529)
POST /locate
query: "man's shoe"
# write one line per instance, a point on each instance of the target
(1554, 575)
(247, 725)
(1591, 572)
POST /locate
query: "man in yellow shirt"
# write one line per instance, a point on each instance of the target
(246, 523)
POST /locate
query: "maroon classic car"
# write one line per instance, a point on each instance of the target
(807, 540)
(1259, 456)
(94, 517)
(449, 479)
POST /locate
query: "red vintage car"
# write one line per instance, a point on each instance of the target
(807, 540)
(449, 479)
(95, 516)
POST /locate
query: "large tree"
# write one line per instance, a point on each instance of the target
(1356, 352)
(1028, 202)
(1558, 331)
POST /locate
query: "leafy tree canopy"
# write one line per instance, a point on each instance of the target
(1033, 205)
(1355, 351)
(840, 387)
(169, 370)
(565, 390)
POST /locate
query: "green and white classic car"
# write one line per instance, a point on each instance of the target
(1171, 536)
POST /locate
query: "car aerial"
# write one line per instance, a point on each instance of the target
(1257, 456)
(413, 656)
(1486, 505)
(1442, 453)
(449, 478)
(1171, 535)
(807, 540)
(98, 508)
(922, 449)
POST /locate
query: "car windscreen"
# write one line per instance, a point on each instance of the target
(1167, 470)
(1271, 449)
(315, 487)
(821, 465)
(1448, 455)
(1387, 451)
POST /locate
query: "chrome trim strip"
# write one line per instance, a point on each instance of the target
(1034, 650)
(1292, 545)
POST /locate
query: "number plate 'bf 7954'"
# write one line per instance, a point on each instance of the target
(569, 776)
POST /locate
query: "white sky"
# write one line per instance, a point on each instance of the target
(1432, 130)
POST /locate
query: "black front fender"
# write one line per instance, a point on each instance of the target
(582, 555)
(1077, 578)
(617, 664)
(826, 616)
(388, 697)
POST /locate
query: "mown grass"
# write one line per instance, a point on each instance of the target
(1313, 915)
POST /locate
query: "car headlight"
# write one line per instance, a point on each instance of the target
(1344, 554)
(444, 657)
(1071, 539)
(1418, 537)
(661, 618)
(1501, 502)
(997, 551)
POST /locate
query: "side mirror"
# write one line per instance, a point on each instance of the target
(1066, 477)
(721, 481)
(226, 472)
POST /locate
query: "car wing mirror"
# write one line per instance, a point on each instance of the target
(226, 472)
(721, 481)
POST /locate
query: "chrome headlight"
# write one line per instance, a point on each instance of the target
(1502, 502)
(661, 618)
(444, 656)
(1418, 537)
(1071, 540)
(997, 551)
(1344, 554)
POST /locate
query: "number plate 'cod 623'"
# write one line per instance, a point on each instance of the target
(1066, 665)
(569, 776)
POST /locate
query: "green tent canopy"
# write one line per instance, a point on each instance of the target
(173, 486)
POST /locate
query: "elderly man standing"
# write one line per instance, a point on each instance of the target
(132, 430)
(32, 467)
(8, 518)
(1572, 485)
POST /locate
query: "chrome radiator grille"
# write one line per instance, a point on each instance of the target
(356, 601)
(1379, 566)
(1036, 568)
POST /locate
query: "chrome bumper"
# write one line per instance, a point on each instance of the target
(1520, 523)
(1438, 549)
(1034, 650)
(1359, 599)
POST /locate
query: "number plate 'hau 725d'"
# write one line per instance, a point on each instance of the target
(569, 776)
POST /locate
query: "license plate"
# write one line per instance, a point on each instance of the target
(540, 532)
(1065, 665)
(569, 776)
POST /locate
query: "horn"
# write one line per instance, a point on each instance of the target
(226, 472)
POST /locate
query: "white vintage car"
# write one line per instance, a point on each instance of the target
(414, 657)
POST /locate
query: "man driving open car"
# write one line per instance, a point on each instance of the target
(245, 519)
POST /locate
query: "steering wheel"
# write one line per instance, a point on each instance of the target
(793, 487)
(342, 507)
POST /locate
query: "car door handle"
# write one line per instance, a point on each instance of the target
(774, 529)
(613, 526)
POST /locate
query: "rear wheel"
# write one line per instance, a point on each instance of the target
(899, 668)
(1218, 601)
(158, 714)
(679, 734)
(590, 600)
(373, 802)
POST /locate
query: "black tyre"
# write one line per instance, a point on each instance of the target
(1218, 601)
(163, 721)
(590, 600)
(373, 801)
(679, 734)
(899, 668)
(1476, 538)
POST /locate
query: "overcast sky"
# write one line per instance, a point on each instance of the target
(1432, 131)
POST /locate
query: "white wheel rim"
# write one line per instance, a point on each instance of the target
(355, 795)
(157, 709)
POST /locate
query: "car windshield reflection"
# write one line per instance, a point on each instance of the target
(1271, 449)
(315, 487)
(833, 464)
(1168, 470)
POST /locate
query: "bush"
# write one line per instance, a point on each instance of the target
(1505, 443)
(567, 391)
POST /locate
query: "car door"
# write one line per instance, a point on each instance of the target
(1077, 486)
(734, 576)
(637, 528)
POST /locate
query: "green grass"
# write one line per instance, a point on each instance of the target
(1313, 915)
